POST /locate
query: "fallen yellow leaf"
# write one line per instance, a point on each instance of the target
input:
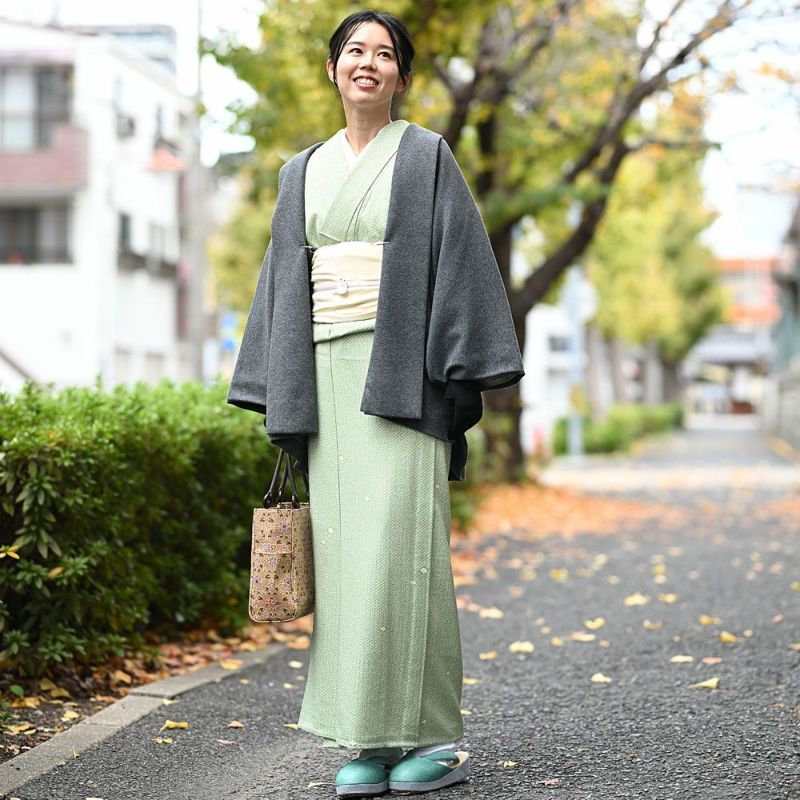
(465, 713)
(712, 660)
(557, 641)
(598, 677)
(295, 664)
(488, 656)
(164, 740)
(636, 599)
(707, 620)
(653, 626)
(559, 574)
(69, 714)
(681, 659)
(508, 763)
(21, 728)
(288, 686)
(121, 677)
(711, 683)
(582, 636)
(491, 613)
(29, 701)
(235, 724)
(471, 681)
(728, 638)
(594, 624)
(292, 725)
(796, 586)
(667, 598)
(521, 647)
(230, 663)
(170, 724)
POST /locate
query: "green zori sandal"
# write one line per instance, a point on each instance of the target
(363, 777)
(423, 774)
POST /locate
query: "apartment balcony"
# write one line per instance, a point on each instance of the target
(130, 261)
(56, 170)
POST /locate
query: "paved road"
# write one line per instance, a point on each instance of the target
(537, 725)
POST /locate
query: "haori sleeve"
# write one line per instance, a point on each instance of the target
(472, 345)
(248, 387)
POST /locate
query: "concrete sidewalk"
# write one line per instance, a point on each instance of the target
(611, 716)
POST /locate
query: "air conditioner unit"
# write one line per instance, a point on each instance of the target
(126, 126)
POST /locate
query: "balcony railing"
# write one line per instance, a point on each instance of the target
(129, 261)
(59, 168)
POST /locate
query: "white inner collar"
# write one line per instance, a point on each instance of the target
(349, 155)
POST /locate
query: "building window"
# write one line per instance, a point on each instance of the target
(33, 100)
(34, 235)
(558, 344)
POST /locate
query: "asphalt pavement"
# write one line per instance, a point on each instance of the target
(599, 708)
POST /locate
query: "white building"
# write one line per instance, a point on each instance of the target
(95, 141)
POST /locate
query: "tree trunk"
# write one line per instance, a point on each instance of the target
(503, 434)
(673, 386)
(504, 406)
(617, 349)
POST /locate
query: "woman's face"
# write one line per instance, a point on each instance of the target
(366, 72)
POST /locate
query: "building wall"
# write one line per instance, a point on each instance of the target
(68, 322)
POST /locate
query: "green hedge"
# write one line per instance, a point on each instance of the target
(621, 427)
(129, 510)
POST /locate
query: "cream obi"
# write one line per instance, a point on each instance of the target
(345, 278)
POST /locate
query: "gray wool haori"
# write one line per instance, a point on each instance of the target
(443, 330)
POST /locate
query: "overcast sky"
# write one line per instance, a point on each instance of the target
(760, 132)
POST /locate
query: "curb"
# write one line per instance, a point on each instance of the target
(136, 704)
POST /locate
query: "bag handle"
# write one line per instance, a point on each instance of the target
(271, 490)
(287, 474)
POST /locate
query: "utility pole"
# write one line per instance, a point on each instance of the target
(197, 228)
(580, 303)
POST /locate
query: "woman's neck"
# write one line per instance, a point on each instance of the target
(363, 128)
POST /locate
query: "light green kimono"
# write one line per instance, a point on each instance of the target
(385, 664)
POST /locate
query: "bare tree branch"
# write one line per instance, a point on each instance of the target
(581, 237)
(630, 103)
(656, 40)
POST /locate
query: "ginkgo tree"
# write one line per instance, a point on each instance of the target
(541, 100)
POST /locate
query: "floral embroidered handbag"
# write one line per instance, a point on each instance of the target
(281, 556)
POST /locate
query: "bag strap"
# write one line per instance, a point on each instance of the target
(288, 473)
(268, 497)
(271, 497)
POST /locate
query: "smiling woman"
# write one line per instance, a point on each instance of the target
(379, 318)
(370, 61)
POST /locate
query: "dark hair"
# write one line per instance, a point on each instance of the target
(401, 39)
